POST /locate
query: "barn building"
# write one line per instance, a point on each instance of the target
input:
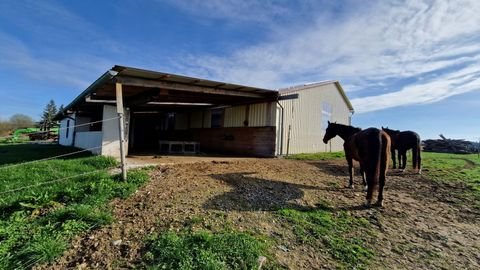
(173, 114)
(306, 115)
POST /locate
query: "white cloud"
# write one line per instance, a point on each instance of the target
(376, 45)
(459, 82)
(265, 11)
(74, 71)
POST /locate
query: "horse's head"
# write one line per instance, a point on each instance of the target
(330, 132)
(390, 132)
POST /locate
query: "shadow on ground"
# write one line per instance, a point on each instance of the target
(252, 193)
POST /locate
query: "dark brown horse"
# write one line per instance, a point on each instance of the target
(369, 147)
(402, 141)
(345, 132)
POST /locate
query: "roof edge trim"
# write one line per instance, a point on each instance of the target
(110, 74)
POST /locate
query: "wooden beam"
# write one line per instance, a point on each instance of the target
(143, 98)
(121, 129)
(185, 87)
(119, 97)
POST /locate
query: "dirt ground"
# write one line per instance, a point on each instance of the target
(423, 225)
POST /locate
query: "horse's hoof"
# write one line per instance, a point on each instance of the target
(349, 186)
(365, 188)
(379, 204)
(368, 204)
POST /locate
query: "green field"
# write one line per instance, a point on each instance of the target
(45, 204)
(455, 169)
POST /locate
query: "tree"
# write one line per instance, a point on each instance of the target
(21, 121)
(49, 113)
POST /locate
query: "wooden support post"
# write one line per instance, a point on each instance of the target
(121, 129)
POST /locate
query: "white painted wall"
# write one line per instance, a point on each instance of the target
(110, 129)
(66, 132)
(89, 139)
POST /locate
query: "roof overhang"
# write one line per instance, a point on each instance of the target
(151, 89)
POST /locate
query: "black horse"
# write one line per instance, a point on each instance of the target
(370, 148)
(403, 141)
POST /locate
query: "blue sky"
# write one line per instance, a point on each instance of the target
(404, 64)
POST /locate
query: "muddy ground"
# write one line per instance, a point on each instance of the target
(423, 225)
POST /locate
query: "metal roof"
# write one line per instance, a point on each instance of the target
(140, 82)
(169, 77)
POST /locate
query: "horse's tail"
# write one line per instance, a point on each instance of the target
(416, 156)
(374, 155)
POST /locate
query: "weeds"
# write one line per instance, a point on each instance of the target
(203, 250)
(38, 222)
(333, 232)
(456, 169)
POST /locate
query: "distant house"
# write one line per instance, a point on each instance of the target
(168, 112)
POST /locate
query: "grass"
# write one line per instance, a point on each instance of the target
(318, 156)
(333, 232)
(37, 223)
(441, 167)
(455, 169)
(203, 250)
(14, 153)
(206, 242)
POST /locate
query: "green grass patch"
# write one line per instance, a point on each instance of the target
(13, 153)
(455, 168)
(203, 250)
(38, 222)
(337, 233)
(318, 156)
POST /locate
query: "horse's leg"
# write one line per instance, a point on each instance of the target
(399, 159)
(370, 188)
(350, 171)
(392, 151)
(362, 172)
(383, 172)
(414, 158)
(404, 160)
(419, 159)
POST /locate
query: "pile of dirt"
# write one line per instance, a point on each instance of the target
(422, 226)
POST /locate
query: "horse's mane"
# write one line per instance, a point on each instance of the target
(348, 126)
(386, 129)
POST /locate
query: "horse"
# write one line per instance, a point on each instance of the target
(403, 141)
(345, 132)
(369, 147)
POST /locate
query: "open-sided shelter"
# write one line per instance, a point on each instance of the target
(168, 113)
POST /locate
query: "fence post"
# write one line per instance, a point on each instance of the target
(121, 128)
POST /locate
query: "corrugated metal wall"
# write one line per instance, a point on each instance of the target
(196, 119)
(259, 115)
(207, 119)
(234, 116)
(304, 117)
(262, 114)
(181, 121)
